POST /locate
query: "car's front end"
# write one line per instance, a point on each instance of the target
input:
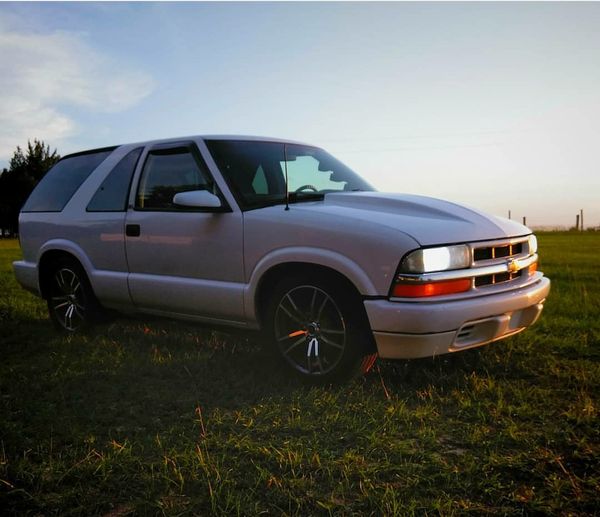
(449, 298)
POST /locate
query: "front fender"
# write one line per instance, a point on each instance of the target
(306, 255)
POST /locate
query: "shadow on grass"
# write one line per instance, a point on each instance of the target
(216, 367)
(147, 377)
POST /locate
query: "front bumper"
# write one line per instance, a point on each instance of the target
(404, 330)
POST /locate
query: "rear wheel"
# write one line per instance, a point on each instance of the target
(72, 305)
(319, 330)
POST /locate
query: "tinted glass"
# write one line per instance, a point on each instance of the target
(252, 170)
(255, 171)
(167, 173)
(112, 194)
(59, 184)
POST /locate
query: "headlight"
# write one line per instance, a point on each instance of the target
(532, 244)
(437, 259)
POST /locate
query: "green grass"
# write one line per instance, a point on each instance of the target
(154, 417)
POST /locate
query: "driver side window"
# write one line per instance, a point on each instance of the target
(166, 173)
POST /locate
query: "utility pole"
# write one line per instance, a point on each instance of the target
(524, 221)
(509, 215)
(581, 211)
(577, 223)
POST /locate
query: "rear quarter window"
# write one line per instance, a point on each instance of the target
(112, 195)
(59, 184)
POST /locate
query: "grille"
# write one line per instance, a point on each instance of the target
(498, 278)
(496, 252)
(492, 253)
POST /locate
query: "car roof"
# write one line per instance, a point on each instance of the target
(192, 137)
(181, 139)
(251, 138)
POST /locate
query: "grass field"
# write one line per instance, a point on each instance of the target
(147, 417)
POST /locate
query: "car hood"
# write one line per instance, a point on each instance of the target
(427, 220)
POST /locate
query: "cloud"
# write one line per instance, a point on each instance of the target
(45, 76)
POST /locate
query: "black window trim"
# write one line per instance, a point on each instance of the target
(167, 148)
(137, 161)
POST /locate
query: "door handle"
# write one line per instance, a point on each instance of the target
(132, 230)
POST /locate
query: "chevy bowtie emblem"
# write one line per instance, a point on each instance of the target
(512, 266)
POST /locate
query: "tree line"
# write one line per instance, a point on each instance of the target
(26, 168)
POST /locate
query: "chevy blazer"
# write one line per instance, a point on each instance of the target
(276, 236)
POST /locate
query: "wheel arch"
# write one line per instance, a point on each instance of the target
(270, 276)
(50, 253)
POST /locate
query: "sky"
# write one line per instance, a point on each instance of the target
(493, 105)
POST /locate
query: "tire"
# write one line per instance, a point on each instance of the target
(319, 330)
(72, 306)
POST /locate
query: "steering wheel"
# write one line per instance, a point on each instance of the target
(306, 187)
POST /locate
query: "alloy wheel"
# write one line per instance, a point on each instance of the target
(310, 330)
(68, 300)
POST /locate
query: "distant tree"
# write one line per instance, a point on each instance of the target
(34, 163)
(26, 169)
(4, 207)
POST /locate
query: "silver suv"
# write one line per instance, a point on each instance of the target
(278, 236)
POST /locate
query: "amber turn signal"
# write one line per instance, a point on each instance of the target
(416, 290)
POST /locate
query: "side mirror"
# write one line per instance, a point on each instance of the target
(197, 199)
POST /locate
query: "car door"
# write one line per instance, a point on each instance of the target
(183, 261)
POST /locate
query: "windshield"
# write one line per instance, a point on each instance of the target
(256, 171)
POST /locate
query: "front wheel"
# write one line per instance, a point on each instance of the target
(72, 305)
(319, 330)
